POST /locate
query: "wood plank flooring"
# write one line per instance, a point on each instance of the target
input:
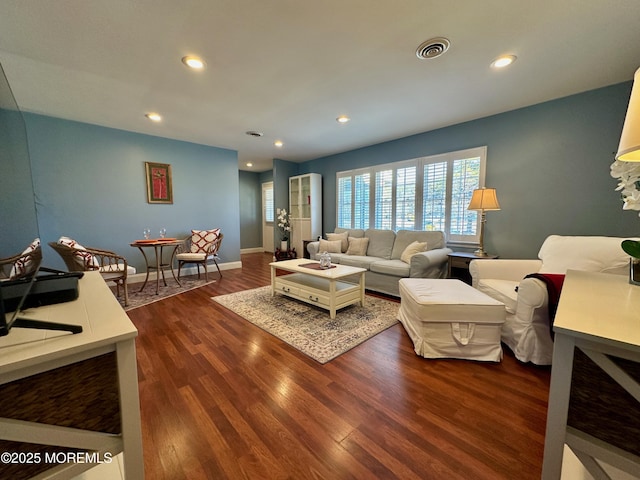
(222, 399)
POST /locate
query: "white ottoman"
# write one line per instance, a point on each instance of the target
(447, 318)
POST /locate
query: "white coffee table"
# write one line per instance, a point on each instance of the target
(328, 289)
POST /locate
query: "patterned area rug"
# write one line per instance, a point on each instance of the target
(139, 298)
(309, 328)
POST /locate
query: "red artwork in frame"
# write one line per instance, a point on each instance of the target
(159, 189)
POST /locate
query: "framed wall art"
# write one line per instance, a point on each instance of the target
(159, 189)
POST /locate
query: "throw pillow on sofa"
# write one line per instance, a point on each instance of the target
(412, 249)
(330, 246)
(344, 240)
(358, 246)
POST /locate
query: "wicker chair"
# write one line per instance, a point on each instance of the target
(112, 267)
(186, 254)
(10, 266)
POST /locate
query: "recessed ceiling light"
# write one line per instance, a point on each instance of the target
(343, 119)
(155, 117)
(503, 61)
(249, 164)
(193, 62)
(278, 143)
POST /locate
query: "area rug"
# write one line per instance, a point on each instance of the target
(139, 298)
(309, 328)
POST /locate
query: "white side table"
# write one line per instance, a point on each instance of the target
(99, 364)
(599, 315)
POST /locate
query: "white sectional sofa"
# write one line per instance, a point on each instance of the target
(383, 257)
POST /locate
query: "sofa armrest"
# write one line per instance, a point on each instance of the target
(502, 269)
(430, 264)
(312, 248)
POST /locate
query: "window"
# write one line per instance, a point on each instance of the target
(428, 193)
(267, 202)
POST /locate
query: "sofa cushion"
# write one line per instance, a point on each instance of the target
(359, 261)
(331, 246)
(380, 243)
(411, 250)
(404, 238)
(353, 232)
(502, 290)
(343, 237)
(396, 268)
(358, 246)
(593, 254)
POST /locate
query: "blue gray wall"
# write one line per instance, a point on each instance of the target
(90, 185)
(250, 210)
(549, 163)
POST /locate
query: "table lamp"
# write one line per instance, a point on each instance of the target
(629, 149)
(483, 199)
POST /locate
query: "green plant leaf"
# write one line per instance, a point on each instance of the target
(632, 247)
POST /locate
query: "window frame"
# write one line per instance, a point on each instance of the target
(449, 158)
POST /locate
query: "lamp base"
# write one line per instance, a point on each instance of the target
(480, 253)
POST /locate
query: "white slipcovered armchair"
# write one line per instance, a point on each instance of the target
(526, 329)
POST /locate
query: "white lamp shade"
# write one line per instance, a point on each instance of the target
(484, 199)
(629, 149)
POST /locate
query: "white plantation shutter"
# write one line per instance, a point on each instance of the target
(345, 202)
(405, 206)
(434, 197)
(428, 193)
(384, 199)
(361, 201)
(268, 204)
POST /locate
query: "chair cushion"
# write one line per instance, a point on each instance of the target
(192, 257)
(117, 268)
(502, 290)
(25, 265)
(201, 240)
(80, 255)
(589, 253)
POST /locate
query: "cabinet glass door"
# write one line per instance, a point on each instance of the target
(294, 198)
(305, 197)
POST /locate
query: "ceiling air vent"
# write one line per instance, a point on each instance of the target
(433, 48)
(253, 133)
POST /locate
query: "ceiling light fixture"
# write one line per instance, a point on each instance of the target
(503, 61)
(278, 143)
(249, 164)
(193, 62)
(154, 117)
(343, 119)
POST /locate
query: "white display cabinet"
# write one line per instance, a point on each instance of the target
(305, 209)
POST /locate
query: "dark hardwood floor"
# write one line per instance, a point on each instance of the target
(221, 398)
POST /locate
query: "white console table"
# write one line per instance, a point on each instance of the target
(594, 397)
(61, 392)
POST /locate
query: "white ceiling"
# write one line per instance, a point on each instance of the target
(288, 68)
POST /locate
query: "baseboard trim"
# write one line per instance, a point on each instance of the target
(190, 270)
(252, 250)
